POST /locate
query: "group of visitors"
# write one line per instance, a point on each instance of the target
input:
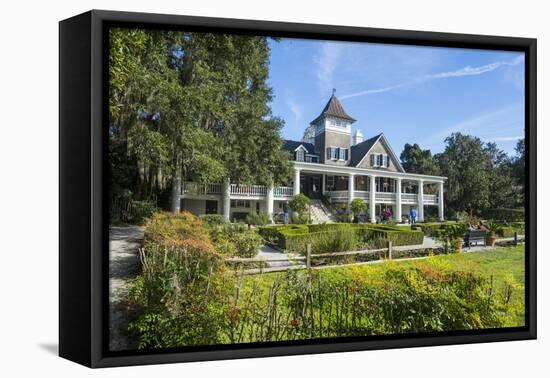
(480, 227)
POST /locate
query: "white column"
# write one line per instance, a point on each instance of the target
(372, 199)
(398, 215)
(440, 197)
(351, 187)
(270, 198)
(421, 200)
(296, 181)
(226, 198)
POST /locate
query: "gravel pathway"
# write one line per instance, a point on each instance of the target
(123, 265)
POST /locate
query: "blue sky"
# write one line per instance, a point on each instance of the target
(412, 94)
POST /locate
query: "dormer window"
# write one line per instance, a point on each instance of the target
(380, 160)
(300, 155)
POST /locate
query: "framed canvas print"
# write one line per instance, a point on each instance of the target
(233, 188)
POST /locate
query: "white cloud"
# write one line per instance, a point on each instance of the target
(465, 71)
(500, 125)
(326, 64)
(508, 138)
(295, 109)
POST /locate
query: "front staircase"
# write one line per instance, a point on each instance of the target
(320, 213)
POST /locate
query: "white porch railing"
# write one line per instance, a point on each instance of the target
(196, 188)
(385, 197)
(189, 187)
(249, 190)
(362, 194)
(409, 198)
(338, 195)
(430, 199)
(283, 191)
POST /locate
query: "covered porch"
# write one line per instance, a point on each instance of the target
(394, 191)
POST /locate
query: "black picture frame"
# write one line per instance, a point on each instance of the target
(83, 227)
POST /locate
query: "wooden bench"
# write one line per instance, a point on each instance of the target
(475, 236)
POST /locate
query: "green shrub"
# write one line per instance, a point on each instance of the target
(328, 227)
(247, 244)
(213, 219)
(296, 237)
(450, 235)
(505, 232)
(257, 219)
(300, 305)
(297, 218)
(510, 215)
(299, 204)
(358, 207)
(345, 239)
(429, 229)
(138, 211)
(492, 228)
(518, 226)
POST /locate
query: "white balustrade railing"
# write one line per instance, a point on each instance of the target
(189, 187)
(362, 194)
(430, 199)
(283, 191)
(196, 188)
(385, 196)
(287, 192)
(337, 195)
(249, 190)
(409, 198)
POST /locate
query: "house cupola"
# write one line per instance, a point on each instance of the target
(333, 133)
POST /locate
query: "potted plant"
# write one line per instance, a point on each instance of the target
(357, 207)
(491, 238)
(452, 237)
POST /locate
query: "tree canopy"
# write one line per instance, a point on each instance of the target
(479, 175)
(416, 160)
(191, 106)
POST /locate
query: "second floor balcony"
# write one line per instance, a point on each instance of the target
(193, 189)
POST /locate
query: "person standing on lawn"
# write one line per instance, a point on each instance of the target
(412, 215)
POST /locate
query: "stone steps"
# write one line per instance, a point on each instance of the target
(320, 213)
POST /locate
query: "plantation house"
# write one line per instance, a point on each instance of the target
(328, 162)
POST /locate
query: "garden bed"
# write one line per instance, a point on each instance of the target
(337, 237)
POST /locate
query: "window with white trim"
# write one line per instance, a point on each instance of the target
(332, 153)
(300, 155)
(380, 160)
(342, 153)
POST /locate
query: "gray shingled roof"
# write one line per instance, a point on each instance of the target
(291, 145)
(359, 150)
(333, 108)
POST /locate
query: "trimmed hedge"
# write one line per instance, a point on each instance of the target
(519, 226)
(295, 237)
(433, 229)
(505, 232)
(510, 215)
(213, 219)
